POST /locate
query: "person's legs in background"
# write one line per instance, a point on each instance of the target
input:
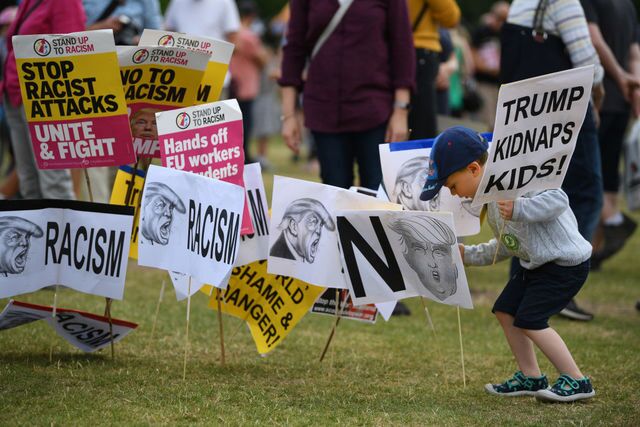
(583, 185)
(422, 116)
(336, 156)
(368, 155)
(246, 106)
(34, 183)
(616, 227)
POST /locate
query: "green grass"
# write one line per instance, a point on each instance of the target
(388, 373)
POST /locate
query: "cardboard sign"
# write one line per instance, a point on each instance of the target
(127, 191)
(207, 140)
(537, 126)
(220, 51)
(255, 246)
(404, 171)
(271, 305)
(73, 99)
(157, 79)
(303, 241)
(326, 304)
(80, 245)
(190, 224)
(393, 255)
(86, 331)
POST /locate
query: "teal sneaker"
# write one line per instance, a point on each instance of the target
(567, 389)
(518, 385)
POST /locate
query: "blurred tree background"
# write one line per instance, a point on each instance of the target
(471, 9)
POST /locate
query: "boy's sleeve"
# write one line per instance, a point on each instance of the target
(541, 207)
(484, 253)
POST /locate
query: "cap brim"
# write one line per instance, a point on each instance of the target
(431, 188)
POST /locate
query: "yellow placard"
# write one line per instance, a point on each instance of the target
(160, 85)
(127, 190)
(212, 82)
(271, 305)
(70, 87)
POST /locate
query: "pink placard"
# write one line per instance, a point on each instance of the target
(82, 143)
(213, 151)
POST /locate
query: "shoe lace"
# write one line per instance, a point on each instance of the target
(565, 382)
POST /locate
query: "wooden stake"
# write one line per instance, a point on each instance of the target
(335, 325)
(220, 326)
(464, 376)
(155, 318)
(426, 311)
(186, 344)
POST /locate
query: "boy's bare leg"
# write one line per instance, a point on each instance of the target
(555, 349)
(521, 345)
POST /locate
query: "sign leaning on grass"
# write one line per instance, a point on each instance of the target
(86, 331)
(73, 99)
(220, 51)
(77, 244)
(390, 255)
(190, 224)
(536, 129)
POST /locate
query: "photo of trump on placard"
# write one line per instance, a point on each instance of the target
(15, 241)
(301, 227)
(158, 204)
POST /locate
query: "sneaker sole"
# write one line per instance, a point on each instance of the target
(489, 389)
(569, 314)
(549, 396)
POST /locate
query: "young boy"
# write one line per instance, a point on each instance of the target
(540, 229)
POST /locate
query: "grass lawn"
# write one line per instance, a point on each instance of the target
(388, 373)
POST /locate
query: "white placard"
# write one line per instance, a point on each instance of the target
(190, 224)
(83, 246)
(393, 255)
(303, 242)
(536, 129)
(404, 170)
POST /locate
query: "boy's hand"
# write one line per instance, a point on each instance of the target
(506, 209)
(461, 248)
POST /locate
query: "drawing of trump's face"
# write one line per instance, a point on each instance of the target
(409, 183)
(157, 212)
(143, 123)
(302, 222)
(427, 244)
(15, 241)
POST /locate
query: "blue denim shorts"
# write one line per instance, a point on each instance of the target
(533, 296)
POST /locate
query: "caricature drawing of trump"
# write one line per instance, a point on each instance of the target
(157, 212)
(15, 241)
(409, 183)
(301, 227)
(427, 243)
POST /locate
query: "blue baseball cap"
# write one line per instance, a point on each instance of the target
(452, 150)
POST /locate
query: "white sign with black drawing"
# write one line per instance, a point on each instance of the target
(303, 241)
(394, 255)
(536, 129)
(83, 246)
(190, 224)
(404, 172)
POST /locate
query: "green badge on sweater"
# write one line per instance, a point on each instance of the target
(510, 241)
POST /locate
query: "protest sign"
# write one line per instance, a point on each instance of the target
(157, 79)
(404, 171)
(190, 224)
(271, 305)
(255, 246)
(393, 255)
(73, 99)
(326, 304)
(536, 129)
(76, 244)
(207, 140)
(127, 191)
(220, 51)
(303, 241)
(86, 331)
